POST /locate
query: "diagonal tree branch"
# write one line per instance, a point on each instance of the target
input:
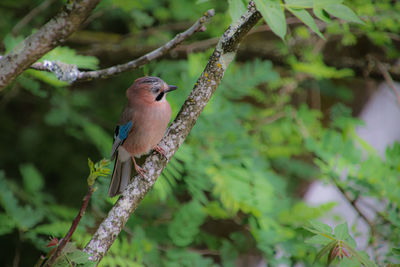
(70, 73)
(45, 39)
(205, 86)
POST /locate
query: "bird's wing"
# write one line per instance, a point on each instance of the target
(122, 130)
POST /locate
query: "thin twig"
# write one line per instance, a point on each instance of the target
(32, 14)
(17, 255)
(380, 214)
(353, 203)
(70, 73)
(389, 80)
(72, 229)
(271, 119)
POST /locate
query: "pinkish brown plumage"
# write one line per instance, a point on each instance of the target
(142, 125)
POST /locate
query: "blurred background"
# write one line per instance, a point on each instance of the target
(301, 130)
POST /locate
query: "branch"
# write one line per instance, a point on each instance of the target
(389, 80)
(205, 86)
(72, 229)
(70, 73)
(352, 202)
(31, 15)
(45, 39)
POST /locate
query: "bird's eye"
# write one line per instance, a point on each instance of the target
(159, 96)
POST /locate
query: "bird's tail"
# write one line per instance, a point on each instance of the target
(120, 177)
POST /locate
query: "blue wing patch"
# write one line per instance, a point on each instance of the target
(124, 130)
(121, 133)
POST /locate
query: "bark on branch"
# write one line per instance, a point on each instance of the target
(157, 53)
(45, 39)
(70, 73)
(205, 86)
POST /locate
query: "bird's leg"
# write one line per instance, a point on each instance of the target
(160, 150)
(139, 169)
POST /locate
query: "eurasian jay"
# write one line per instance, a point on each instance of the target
(141, 126)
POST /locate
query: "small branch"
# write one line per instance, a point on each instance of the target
(32, 14)
(208, 43)
(72, 229)
(352, 202)
(272, 118)
(204, 88)
(45, 39)
(70, 73)
(17, 256)
(389, 80)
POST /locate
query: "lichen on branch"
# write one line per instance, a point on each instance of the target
(49, 36)
(70, 73)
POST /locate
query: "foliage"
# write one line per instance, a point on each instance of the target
(338, 245)
(97, 170)
(235, 188)
(274, 14)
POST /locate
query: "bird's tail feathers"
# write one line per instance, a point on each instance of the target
(120, 177)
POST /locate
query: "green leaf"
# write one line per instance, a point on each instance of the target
(58, 228)
(229, 253)
(324, 3)
(342, 231)
(321, 227)
(360, 256)
(325, 250)
(215, 210)
(10, 42)
(349, 262)
(185, 225)
(46, 77)
(31, 85)
(236, 9)
(321, 14)
(97, 170)
(306, 18)
(318, 240)
(319, 70)
(343, 12)
(69, 56)
(186, 258)
(79, 257)
(274, 15)
(25, 217)
(319, 11)
(7, 224)
(396, 251)
(299, 4)
(32, 178)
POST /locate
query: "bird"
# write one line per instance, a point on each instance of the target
(141, 126)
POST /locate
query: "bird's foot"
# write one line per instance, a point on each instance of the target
(160, 150)
(140, 171)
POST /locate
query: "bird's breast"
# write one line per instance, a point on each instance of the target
(149, 125)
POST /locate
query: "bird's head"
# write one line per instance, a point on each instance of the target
(149, 89)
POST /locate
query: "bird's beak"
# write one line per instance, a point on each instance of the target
(171, 88)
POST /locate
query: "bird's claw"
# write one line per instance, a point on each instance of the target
(161, 151)
(140, 171)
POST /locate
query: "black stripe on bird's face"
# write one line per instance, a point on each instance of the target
(160, 96)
